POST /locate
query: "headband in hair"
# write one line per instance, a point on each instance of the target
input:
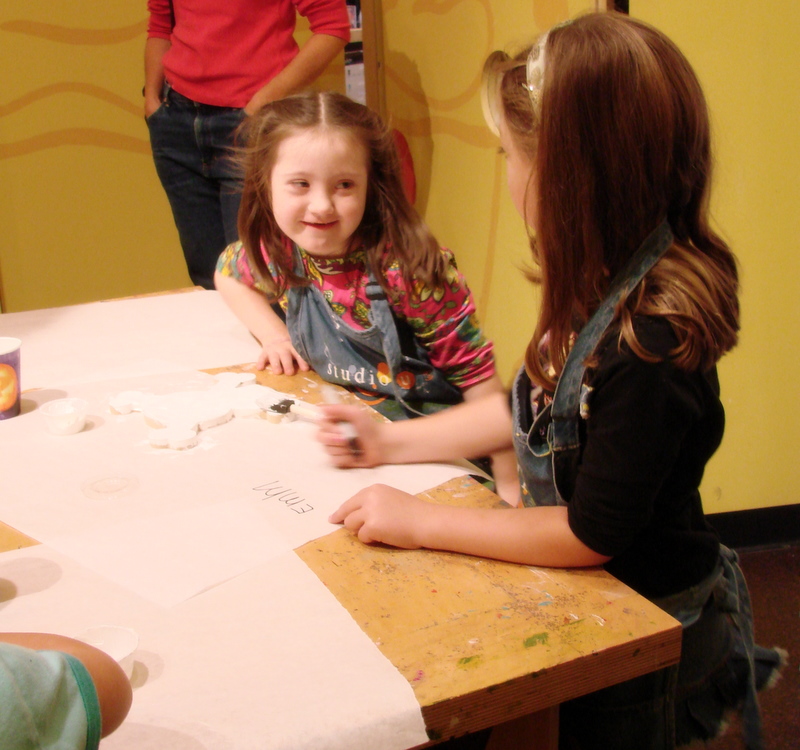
(534, 73)
(496, 66)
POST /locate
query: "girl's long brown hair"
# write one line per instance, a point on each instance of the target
(391, 229)
(621, 143)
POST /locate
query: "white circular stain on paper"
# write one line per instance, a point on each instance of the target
(109, 488)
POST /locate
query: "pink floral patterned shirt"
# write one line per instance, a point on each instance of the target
(443, 319)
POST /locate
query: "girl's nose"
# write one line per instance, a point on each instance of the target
(320, 203)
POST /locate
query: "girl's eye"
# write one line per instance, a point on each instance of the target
(346, 185)
(299, 183)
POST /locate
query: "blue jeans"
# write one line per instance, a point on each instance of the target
(191, 145)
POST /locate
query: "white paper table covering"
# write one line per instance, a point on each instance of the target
(268, 661)
(126, 338)
(250, 490)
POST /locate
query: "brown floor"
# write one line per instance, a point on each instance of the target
(773, 577)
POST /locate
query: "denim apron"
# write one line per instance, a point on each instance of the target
(549, 449)
(547, 456)
(386, 358)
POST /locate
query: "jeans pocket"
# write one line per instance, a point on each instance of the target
(149, 119)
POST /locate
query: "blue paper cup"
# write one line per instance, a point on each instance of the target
(9, 377)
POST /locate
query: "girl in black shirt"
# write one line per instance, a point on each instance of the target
(616, 411)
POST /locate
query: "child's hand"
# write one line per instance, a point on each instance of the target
(385, 514)
(280, 356)
(363, 450)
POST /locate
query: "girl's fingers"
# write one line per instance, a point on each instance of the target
(287, 362)
(349, 436)
(345, 509)
(354, 522)
(343, 459)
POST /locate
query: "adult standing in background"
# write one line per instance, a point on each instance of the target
(209, 64)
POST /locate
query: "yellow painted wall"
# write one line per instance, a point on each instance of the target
(83, 217)
(746, 56)
(82, 214)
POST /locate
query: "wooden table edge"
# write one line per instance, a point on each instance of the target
(531, 694)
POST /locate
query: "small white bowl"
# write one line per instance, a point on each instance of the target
(65, 416)
(118, 642)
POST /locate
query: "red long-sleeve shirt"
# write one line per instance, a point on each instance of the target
(223, 51)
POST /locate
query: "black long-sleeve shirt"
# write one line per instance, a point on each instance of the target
(635, 496)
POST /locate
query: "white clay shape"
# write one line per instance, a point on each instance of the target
(177, 438)
(126, 402)
(176, 418)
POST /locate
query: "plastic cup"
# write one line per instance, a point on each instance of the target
(9, 377)
(65, 416)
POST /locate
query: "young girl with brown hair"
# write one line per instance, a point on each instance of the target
(617, 410)
(371, 301)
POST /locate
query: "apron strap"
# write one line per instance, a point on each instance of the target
(381, 315)
(568, 393)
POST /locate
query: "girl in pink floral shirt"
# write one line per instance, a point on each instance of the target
(367, 297)
(443, 318)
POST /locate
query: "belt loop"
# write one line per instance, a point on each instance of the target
(165, 89)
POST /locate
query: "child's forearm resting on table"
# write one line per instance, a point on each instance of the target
(254, 310)
(531, 536)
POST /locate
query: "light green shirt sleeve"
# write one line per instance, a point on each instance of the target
(47, 701)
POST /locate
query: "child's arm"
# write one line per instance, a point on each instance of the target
(112, 685)
(480, 426)
(531, 536)
(504, 462)
(254, 310)
(476, 428)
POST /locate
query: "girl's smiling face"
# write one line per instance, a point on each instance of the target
(319, 190)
